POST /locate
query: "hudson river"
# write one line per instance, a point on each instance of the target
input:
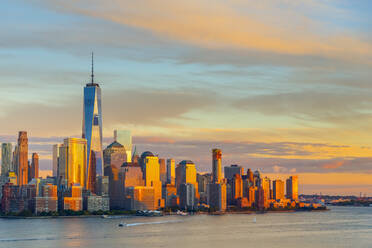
(340, 227)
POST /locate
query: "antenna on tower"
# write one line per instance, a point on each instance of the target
(92, 76)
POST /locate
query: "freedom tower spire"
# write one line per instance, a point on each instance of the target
(92, 131)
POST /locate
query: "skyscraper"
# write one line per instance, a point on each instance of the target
(124, 137)
(22, 158)
(217, 156)
(232, 170)
(73, 162)
(278, 190)
(55, 159)
(292, 188)
(92, 131)
(6, 159)
(186, 174)
(171, 171)
(34, 169)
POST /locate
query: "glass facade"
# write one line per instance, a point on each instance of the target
(92, 132)
(75, 161)
(124, 137)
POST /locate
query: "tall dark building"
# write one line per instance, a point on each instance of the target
(34, 167)
(22, 158)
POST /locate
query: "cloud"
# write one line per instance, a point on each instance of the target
(333, 165)
(337, 107)
(285, 28)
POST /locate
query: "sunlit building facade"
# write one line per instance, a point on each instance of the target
(278, 190)
(216, 169)
(171, 171)
(292, 188)
(22, 158)
(73, 162)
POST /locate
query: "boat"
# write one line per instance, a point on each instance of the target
(121, 224)
(181, 213)
(105, 216)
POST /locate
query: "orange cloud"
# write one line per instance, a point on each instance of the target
(233, 25)
(333, 165)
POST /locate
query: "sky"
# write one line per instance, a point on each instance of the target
(281, 86)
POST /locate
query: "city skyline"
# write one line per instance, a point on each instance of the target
(283, 108)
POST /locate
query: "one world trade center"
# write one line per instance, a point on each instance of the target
(92, 132)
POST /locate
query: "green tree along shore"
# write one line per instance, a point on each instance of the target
(64, 213)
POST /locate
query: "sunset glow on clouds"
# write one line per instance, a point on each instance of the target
(282, 86)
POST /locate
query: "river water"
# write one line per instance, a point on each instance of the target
(340, 227)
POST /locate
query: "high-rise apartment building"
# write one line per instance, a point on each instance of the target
(278, 190)
(216, 169)
(124, 137)
(22, 158)
(292, 188)
(92, 131)
(6, 159)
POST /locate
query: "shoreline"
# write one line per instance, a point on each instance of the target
(164, 214)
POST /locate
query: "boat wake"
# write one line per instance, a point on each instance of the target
(152, 223)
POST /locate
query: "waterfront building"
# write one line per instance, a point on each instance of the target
(92, 132)
(278, 190)
(73, 200)
(217, 196)
(187, 196)
(17, 198)
(262, 202)
(6, 159)
(169, 194)
(73, 162)
(171, 171)
(124, 137)
(97, 202)
(232, 170)
(22, 158)
(55, 159)
(216, 167)
(48, 201)
(292, 188)
(141, 198)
